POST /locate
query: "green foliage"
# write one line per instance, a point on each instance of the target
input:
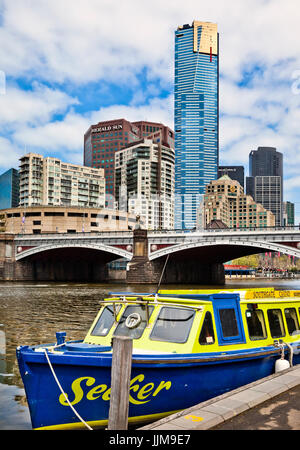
(274, 261)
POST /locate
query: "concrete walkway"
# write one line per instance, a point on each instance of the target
(217, 412)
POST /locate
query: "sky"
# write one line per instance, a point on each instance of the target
(66, 64)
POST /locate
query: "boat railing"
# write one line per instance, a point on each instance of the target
(186, 303)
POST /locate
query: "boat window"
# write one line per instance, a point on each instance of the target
(207, 335)
(276, 323)
(292, 320)
(173, 325)
(228, 322)
(256, 324)
(106, 320)
(133, 321)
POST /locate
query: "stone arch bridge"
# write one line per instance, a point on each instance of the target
(191, 257)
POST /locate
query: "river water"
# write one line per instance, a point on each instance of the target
(31, 313)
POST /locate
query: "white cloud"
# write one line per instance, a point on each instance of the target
(82, 41)
(34, 106)
(9, 154)
(264, 112)
(156, 110)
(93, 39)
(65, 137)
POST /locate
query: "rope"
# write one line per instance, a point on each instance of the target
(291, 353)
(162, 273)
(64, 394)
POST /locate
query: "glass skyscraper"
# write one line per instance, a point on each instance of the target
(196, 117)
(9, 189)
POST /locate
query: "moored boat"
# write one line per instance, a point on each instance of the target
(188, 346)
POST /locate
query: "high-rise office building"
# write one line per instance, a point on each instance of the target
(265, 183)
(265, 161)
(225, 201)
(234, 172)
(196, 120)
(9, 189)
(155, 131)
(288, 214)
(103, 140)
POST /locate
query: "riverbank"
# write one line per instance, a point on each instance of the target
(120, 276)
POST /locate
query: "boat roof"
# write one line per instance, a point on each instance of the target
(244, 294)
(199, 296)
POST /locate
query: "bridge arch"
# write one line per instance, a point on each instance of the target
(258, 247)
(100, 247)
(69, 261)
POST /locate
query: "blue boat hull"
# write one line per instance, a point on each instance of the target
(160, 385)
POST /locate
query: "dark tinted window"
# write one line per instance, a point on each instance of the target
(276, 323)
(256, 324)
(228, 322)
(123, 330)
(291, 320)
(207, 332)
(173, 325)
(105, 321)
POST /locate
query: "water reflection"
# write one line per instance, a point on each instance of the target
(33, 313)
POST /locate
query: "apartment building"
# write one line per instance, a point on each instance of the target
(49, 181)
(145, 182)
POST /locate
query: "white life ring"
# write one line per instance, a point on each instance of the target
(133, 320)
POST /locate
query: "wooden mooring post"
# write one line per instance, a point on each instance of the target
(120, 383)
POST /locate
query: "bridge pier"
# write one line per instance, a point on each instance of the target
(142, 271)
(192, 272)
(7, 262)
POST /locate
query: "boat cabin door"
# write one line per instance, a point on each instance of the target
(228, 319)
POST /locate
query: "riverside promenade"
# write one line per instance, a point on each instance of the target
(272, 403)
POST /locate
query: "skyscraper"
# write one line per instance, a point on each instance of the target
(265, 161)
(234, 172)
(265, 183)
(196, 116)
(103, 140)
(9, 189)
(288, 214)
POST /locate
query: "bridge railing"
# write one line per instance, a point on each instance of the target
(79, 234)
(167, 231)
(228, 230)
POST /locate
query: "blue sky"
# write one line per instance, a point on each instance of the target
(69, 64)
